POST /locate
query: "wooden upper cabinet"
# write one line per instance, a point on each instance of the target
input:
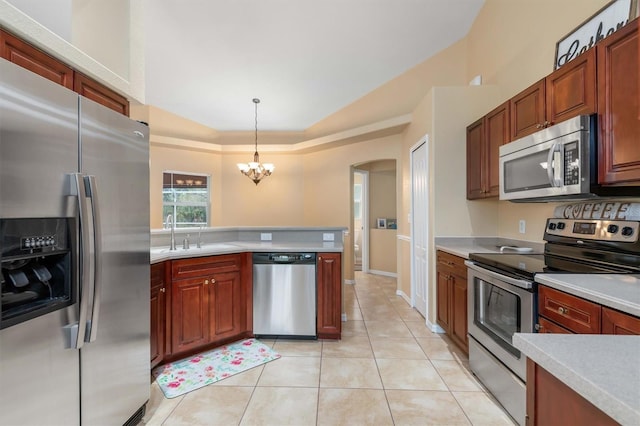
(95, 91)
(23, 54)
(475, 159)
(571, 89)
(484, 138)
(527, 111)
(497, 133)
(567, 92)
(618, 89)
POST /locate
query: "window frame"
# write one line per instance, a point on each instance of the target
(174, 205)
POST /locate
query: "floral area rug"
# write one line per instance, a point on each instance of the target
(180, 377)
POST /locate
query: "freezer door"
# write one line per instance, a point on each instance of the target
(38, 148)
(115, 360)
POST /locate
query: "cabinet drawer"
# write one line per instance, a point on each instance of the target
(546, 326)
(575, 314)
(203, 266)
(449, 263)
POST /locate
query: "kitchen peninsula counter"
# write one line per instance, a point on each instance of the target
(603, 369)
(227, 240)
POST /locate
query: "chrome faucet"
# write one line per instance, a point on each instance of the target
(173, 230)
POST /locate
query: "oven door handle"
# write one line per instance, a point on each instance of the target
(499, 277)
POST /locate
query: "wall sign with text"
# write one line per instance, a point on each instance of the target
(605, 22)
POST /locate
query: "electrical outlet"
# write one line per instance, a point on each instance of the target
(327, 236)
(522, 226)
(265, 236)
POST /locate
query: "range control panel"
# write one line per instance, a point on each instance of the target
(601, 230)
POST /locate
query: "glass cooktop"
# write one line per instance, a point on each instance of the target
(527, 265)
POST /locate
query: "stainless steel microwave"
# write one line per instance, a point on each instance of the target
(556, 164)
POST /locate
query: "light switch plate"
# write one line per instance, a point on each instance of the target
(265, 236)
(327, 236)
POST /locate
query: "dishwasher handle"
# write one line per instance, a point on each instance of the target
(284, 258)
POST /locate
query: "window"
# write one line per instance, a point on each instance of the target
(186, 197)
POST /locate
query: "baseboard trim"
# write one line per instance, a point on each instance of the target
(404, 296)
(383, 273)
(435, 328)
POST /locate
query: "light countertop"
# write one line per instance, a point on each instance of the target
(463, 246)
(604, 369)
(160, 254)
(617, 291)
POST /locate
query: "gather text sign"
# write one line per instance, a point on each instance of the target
(605, 22)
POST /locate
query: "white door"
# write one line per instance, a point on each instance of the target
(419, 225)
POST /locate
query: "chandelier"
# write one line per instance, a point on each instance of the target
(255, 170)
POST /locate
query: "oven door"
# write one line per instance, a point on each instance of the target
(498, 307)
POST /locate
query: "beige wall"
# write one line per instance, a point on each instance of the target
(382, 251)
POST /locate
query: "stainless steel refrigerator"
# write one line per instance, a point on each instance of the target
(74, 229)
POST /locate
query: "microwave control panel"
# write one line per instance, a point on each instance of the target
(571, 164)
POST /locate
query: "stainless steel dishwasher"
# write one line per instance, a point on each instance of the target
(284, 294)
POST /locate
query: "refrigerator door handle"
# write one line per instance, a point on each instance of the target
(96, 279)
(76, 331)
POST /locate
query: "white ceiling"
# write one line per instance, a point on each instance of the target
(305, 59)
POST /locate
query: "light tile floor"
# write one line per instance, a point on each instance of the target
(388, 369)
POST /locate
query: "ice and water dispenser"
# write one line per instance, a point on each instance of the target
(36, 260)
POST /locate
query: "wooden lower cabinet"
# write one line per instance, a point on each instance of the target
(560, 312)
(158, 309)
(329, 284)
(614, 322)
(451, 296)
(551, 402)
(210, 302)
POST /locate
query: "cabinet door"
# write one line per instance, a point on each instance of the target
(329, 283)
(497, 134)
(619, 147)
(571, 89)
(95, 91)
(225, 306)
(459, 317)
(575, 314)
(551, 402)
(158, 313)
(443, 301)
(20, 53)
(475, 158)
(614, 322)
(190, 314)
(527, 111)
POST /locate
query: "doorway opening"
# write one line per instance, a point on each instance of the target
(374, 219)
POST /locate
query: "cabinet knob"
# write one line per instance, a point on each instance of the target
(206, 282)
(213, 281)
(562, 310)
(538, 327)
(539, 126)
(547, 123)
(163, 290)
